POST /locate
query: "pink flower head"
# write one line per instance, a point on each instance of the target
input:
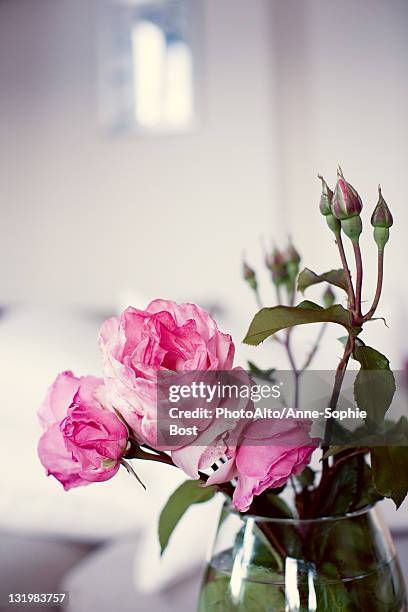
(346, 202)
(83, 442)
(265, 458)
(166, 336)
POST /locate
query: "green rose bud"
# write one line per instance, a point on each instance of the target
(346, 206)
(381, 220)
(325, 207)
(292, 256)
(292, 262)
(352, 227)
(276, 263)
(381, 237)
(381, 216)
(328, 297)
(334, 224)
(325, 198)
(249, 276)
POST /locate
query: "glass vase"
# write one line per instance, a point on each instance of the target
(344, 563)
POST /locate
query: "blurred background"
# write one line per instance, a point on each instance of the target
(144, 146)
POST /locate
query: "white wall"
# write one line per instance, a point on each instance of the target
(291, 88)
(85, 217)
(343, 98)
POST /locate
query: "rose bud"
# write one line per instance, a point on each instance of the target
(346, 206)
(249, 276)
(325, 198)
(328, 297)
(381, 220)
(276, 263)
(325, 207)
(292, 256)
(270, 259)
(292, 261)
(346, 202)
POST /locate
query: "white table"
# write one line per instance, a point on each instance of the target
(103, 581)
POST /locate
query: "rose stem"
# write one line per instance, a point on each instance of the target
(293, 365)
(163, 457)
(359, 278)
(340, 372)
(380, 274)
(258, 298)
(340, 245)
(338, 381)
(315, 347)
(271, 537)
(341, 368)
(288, 347)
(156, 455)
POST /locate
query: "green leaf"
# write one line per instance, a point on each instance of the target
(264, 552)
(335, 450)
(396, 433)
(346, 488)
(267, 375)
(369, 358)
(374, 386)
(276, 506)
(389, 466)
(129, 469)
(349, 487)
(307, 278)
(261, 595)
(273, 506)
(341, 489)
(332, 594)
(190, 492)
(306, 477)
(215, 595)
(369, 494)
(343, 340)
(268, 321)
(309, 304)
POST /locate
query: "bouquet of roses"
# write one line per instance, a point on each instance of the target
(92, 426)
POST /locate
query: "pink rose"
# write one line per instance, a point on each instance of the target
(83, 442)
(166, 336)
(282, 449)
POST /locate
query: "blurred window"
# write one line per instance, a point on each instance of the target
(147, 64)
